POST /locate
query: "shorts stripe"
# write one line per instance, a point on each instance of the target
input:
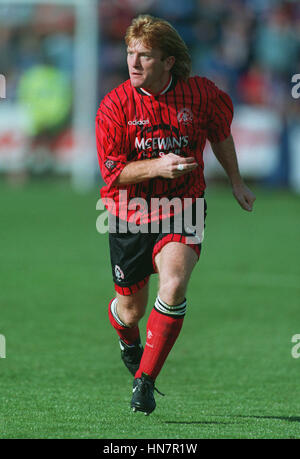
(172, 238)
(126, 291)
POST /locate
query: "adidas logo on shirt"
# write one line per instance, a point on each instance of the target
(138, 122)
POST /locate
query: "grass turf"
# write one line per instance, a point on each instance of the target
(230, 374)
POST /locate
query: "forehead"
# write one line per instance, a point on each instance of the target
(138, 46)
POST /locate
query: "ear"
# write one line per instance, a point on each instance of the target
(169, 62)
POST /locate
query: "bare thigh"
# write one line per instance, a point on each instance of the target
(175, 263)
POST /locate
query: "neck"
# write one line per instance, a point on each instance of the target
(161, 87)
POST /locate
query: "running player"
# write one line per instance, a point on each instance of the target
(151, 132)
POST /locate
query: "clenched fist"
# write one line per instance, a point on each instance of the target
(173, 166)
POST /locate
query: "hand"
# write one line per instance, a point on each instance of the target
(244, 196)
(167, 165)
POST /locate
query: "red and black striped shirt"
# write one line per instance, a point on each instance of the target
(132, 125)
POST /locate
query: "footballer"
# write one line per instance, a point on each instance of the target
(151, 132)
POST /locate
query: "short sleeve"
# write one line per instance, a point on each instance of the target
(220, 115)
(110, 140)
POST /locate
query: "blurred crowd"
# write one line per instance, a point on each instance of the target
(36, 49)
(250, 48)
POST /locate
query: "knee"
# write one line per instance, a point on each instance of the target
(130, 313)
(172, 291)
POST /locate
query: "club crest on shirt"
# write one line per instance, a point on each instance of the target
(185, 116)
(119, 273)
(110, 164)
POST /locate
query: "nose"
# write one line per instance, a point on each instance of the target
(136, 61)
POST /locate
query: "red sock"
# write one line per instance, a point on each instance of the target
(127, 334)
(162, 332)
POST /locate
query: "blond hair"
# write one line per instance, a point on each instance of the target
(158, 33)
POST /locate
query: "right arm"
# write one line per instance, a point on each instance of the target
(146, 169)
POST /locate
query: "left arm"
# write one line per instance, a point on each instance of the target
(226, 155)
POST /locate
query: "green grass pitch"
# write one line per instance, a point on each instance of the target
(231, 373)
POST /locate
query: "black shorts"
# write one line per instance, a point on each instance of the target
(132, 255)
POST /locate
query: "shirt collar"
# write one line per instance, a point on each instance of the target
(163, 91)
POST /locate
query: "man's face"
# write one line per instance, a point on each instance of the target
(146, 67)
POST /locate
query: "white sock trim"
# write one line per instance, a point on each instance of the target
(164, 308)
(113, 308)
